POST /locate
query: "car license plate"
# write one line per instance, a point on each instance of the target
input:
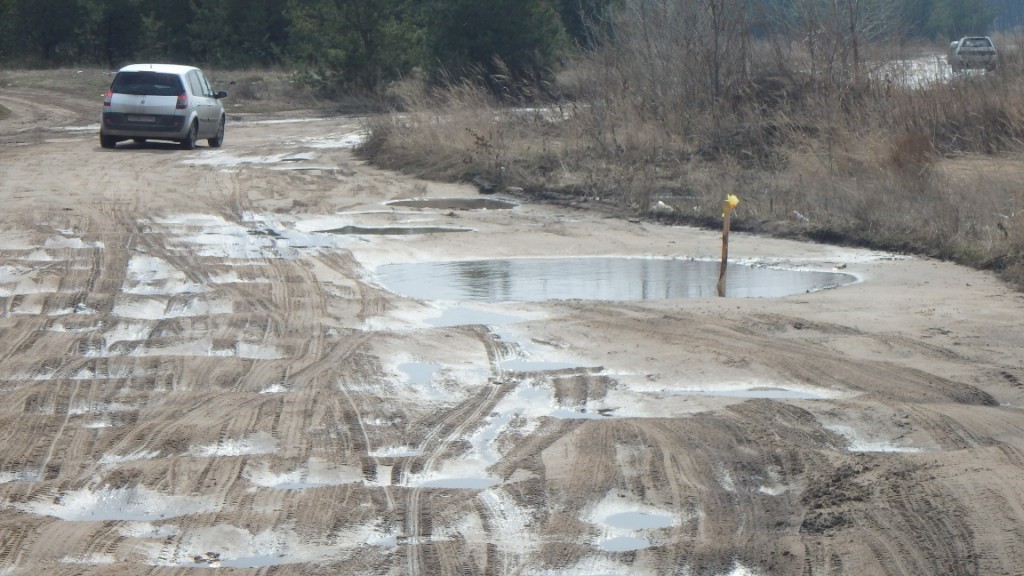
(142, 119)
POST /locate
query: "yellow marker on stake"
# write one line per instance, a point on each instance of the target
(730, 202)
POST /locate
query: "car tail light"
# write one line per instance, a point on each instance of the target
(182, 101)
(107, 97)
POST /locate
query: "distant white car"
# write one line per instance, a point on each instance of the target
(972, 52)
(162, 102)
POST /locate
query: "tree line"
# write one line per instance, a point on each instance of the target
(366, 44)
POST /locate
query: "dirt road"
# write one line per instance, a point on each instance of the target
(200, 369)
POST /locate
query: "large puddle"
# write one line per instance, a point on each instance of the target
(393, 230)
(622, 279)
(455, 203)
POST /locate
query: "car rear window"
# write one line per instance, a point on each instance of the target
(146, 84)
(977, 43)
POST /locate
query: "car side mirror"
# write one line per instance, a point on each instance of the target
(221, 94)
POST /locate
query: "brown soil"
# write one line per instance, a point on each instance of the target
(190, 374)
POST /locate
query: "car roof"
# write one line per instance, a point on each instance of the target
(164, 68)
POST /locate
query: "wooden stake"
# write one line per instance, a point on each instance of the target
(730, 202)
(725, 256)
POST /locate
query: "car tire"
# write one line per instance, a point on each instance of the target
(189, 142)
(108, 141)
(218, 140)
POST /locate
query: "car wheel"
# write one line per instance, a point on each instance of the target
(108, 141)
(218, 140)
(190, 140)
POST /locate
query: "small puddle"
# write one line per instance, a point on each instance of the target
(622, 525)
(761, 392)
(462, 316)
(392, 230)
(421, 374)
(857, 442)
(123, 504)
(567, 414)
(251, 562)
(455, 203)
(312, 170)
(542, 279)
(638, 520)
(624, 544)
(523, 365)
(460, 483)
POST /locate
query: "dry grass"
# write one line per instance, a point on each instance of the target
(257, 91)
(933, 170)
(86, 83)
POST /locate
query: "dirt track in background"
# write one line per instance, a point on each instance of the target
(195, 374)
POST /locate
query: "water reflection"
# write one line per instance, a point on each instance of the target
(455, 203)
(540, 279)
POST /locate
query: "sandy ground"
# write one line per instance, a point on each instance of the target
(196, 374)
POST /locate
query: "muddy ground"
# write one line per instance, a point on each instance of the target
(200, 369)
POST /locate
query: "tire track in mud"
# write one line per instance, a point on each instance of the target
(989, 503)
(948, 432)
(14, 540)
(435, 446)
(915, 527)
(80, 282)
(910, 514)
(436, 443)
(33, 115)
(286, 313)
(800, 353)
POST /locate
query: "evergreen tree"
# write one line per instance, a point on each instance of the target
(957, 18)
(586, 21)
(43, 33)
(353, 43)
(6, 33)
(238, 32)
(508, 43)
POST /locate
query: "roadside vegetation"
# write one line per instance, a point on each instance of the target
(859, 141)
(833, 120)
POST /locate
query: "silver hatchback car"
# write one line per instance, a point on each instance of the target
(162, 102)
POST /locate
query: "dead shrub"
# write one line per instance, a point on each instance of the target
(912, 151)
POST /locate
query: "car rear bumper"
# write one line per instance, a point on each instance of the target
(976, 60)
(143, 125)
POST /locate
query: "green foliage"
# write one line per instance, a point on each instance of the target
(505, 42)
(905, 18)
(6, 33)
(957, 18)
(47, 30)
(361, 44)
(586, 21)
(237, 33)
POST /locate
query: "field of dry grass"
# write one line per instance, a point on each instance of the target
(929, 165)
